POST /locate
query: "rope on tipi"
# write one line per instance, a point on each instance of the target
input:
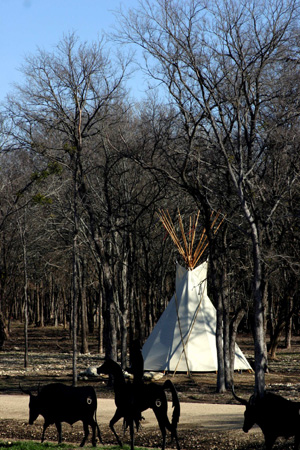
(185, 244)
(184, 344)
(182, 341)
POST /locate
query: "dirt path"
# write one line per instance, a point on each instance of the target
(207, 416)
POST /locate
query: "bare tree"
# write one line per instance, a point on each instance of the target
(59, 114)
(222, 65)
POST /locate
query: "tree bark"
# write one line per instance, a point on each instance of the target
(233, 332)
(82, 295)
(289, 322)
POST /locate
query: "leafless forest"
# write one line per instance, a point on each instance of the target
(84, 171)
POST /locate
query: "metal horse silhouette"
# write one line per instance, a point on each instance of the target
(133, 398)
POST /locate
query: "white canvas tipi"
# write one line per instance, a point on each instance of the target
(189, 318)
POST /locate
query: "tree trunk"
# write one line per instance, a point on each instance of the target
(109, 315)
(74, 312)
(82, 294)
(232, 336)
(3, 335)
(65, 306)
(218, 300)
(38, 306)
(224, 290)
(100, 323)
(110, 332)
(25, 311)
(75, 277)
(124, 337)
(25, 287)
(261, 361)
(221, 386)
(289, 322)
(275, 339)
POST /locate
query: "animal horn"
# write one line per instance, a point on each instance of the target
(239, 399)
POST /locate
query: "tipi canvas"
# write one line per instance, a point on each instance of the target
(189, 318)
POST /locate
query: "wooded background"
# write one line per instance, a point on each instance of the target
(84, 170)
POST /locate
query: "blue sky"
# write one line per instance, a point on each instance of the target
(28, 24)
